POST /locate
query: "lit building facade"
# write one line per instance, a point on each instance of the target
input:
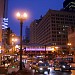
(69, 5)
(4, 22)
(1, 17)
(2, 14)
(71, 38)
(52, 29)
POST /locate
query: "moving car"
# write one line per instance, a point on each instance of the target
(42, 67)
(33, 65)
(63, 66)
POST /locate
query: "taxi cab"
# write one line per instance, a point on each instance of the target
(42, 67)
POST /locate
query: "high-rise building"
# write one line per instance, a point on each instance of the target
(33, 28)
(26, 37)
(7, 36)
(3, 10)
(5, 14)
(52, 29)
(71, 38)
(69, 5)
(4, 21)
(1, 17)
(27, 32)
(33, 34)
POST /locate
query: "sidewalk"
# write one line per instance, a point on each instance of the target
(3, 71)
(22, 72)
(25, 71)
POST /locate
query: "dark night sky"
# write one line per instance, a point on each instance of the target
(34, 8)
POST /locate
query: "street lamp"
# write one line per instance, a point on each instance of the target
(69, 44)
(21, 18)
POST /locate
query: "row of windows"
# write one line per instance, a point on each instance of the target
(59, 36)
(58, 25)
(56, 39)
(59, 43)
(62, 22)
(59, 15)
(53, 28)
(64, 19)
(47, 33)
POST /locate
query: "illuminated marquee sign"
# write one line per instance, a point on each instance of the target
(0, 51)
(35, 49)
(5, 23)
(39, 49)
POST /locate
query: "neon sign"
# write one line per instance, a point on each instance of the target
(5, 23)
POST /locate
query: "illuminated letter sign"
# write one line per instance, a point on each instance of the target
(5, 23)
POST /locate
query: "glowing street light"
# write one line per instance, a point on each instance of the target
(69, 44)
(21, 18)
(14, 39)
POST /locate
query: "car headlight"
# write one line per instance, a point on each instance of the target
(63, 66)
(30, 68)
(70, 65)
(48, 67)
(46, 73)
(41, 68)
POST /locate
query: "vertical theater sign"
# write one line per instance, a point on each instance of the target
(5, 23)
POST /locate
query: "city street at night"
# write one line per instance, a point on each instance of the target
(37, 37)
